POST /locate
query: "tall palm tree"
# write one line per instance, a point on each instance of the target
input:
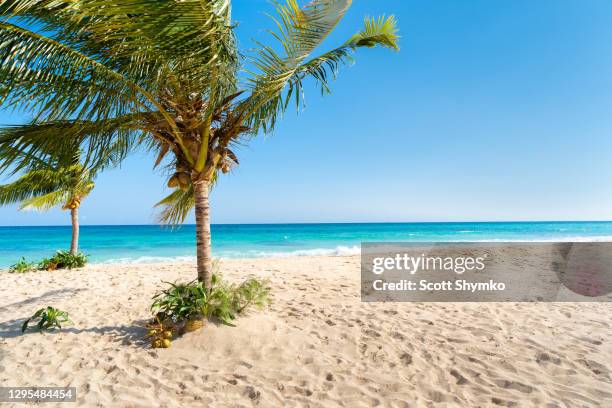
(50, 181)
(100, 71)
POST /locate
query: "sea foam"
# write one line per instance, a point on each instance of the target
(337, 251)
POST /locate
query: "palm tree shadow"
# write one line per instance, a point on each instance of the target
(127, 335)
(11, 328)
(48, 296)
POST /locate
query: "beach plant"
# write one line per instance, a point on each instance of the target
(164, 75)
(48, 318)
(60, 178)
(220, 303)
(63, 260)
(187, 302)
(22, 266)
(180, 302)
(225, 301)
(251, 293)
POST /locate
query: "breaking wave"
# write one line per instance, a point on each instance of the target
(337, 251)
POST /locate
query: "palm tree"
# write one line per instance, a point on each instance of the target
(100, 71)
(49, 181)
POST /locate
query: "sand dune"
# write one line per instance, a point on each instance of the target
(316, 345)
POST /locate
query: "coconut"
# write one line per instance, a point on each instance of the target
(183, 178)
(173, 182)
(165, 343)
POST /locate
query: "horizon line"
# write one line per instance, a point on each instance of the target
(315, 223)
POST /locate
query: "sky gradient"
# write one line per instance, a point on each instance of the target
(490, 111)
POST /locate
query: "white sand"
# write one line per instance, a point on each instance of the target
(317, 345)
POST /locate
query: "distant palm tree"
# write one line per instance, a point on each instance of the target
(99, 71)
(49, 182)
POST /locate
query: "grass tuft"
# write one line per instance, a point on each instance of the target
(22, 266)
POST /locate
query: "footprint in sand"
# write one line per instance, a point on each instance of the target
(398, 336)
(406, 359)
(460, 378)
(503, 403)
(515, 385)
(595, 367)
(544, 358)
(372, 333)
(252, 393)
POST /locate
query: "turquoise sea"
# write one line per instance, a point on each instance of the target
(147, 243)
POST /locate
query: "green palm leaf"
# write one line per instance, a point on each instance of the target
(300, 31)
(78, 85)
(51, 177)
(102, 143)
(45, 202)
(110, 56)
(176, 206)
(34, 183)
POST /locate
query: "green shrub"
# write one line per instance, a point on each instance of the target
(48, 318)
(181, 301)
(22, 266)
(251, 292)
(185, 301)
(220, 303)
(63, 260)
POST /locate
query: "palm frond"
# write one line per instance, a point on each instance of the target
(102, 143)
(176, 206)
(54, 172)
(46, 201)
(41, 75)
(32, 184)
(280, 77)
(129, 47)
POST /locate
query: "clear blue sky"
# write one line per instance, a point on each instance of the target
(491, 111)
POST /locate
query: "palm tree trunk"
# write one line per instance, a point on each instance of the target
(74, 245)
(203, 241)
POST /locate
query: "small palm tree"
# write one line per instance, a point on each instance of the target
(102, 71)
(49, 182)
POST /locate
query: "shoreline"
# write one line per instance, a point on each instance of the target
(186, 262)
(338, 251)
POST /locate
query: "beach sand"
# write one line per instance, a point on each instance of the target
(316, 345)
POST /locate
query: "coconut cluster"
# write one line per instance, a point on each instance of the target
(180, 179)
(160, 335)
(72, 204)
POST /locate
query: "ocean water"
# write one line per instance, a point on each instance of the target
(149, 243)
